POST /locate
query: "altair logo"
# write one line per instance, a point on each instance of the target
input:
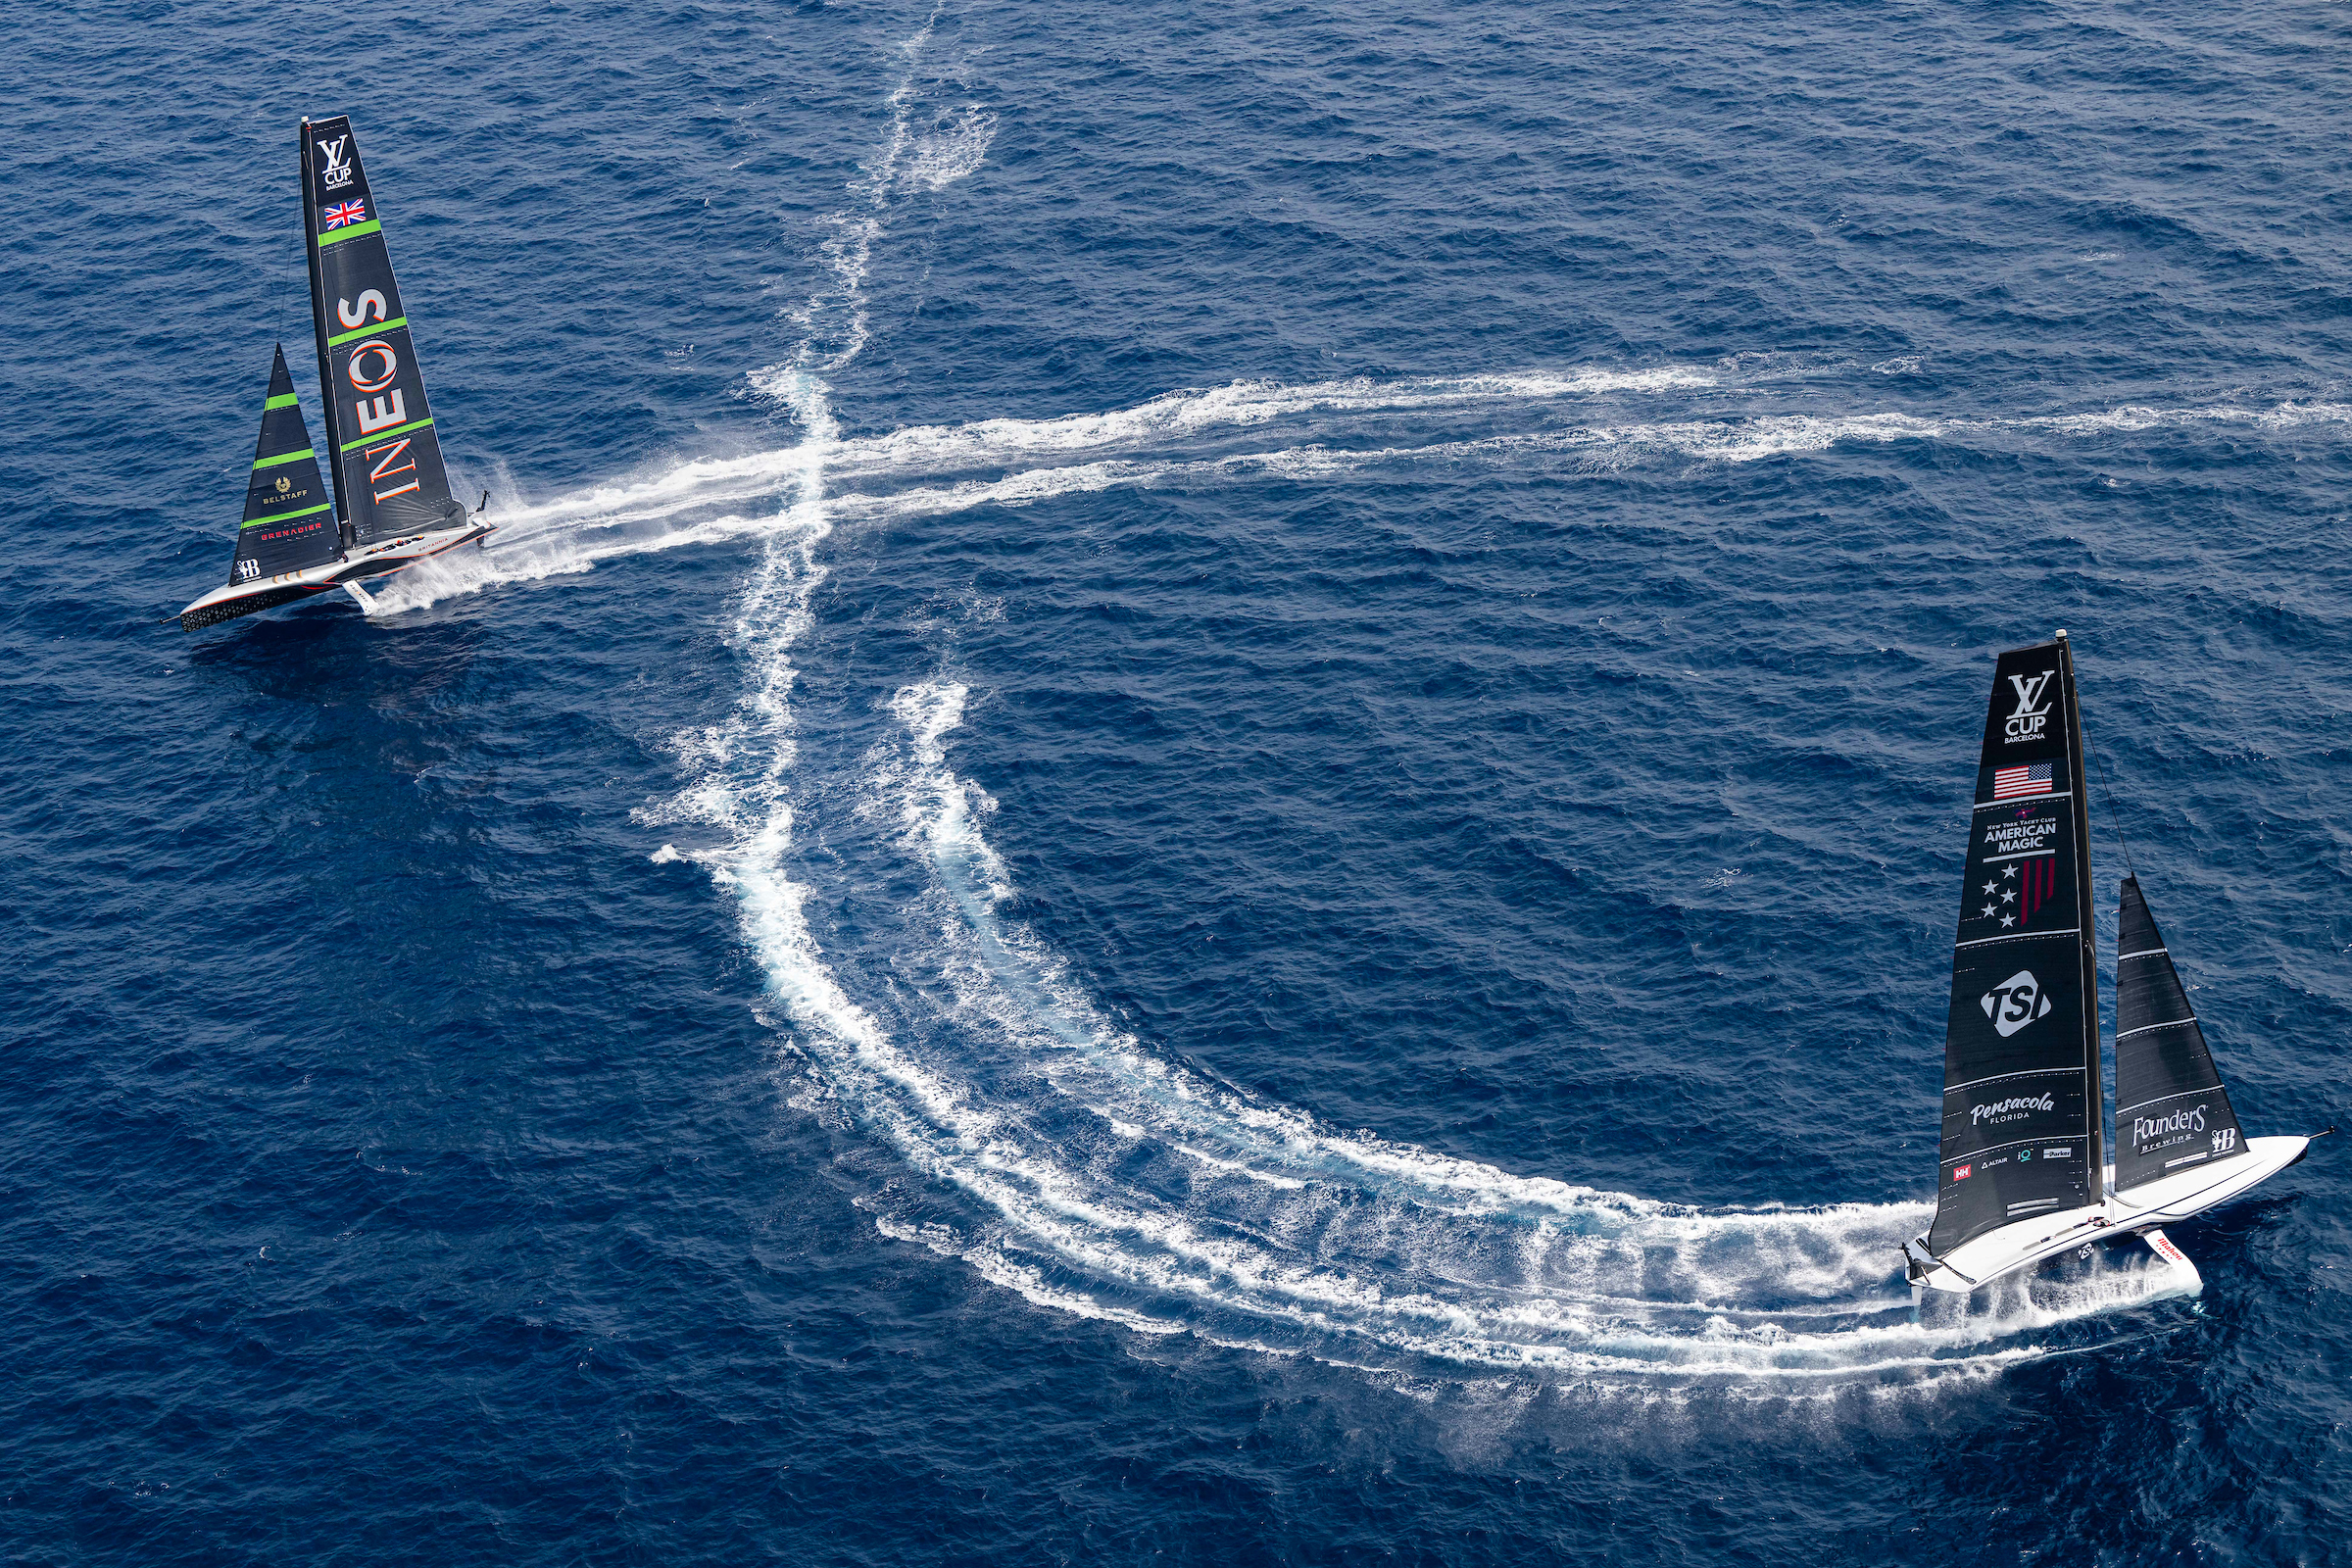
(2015, 1002)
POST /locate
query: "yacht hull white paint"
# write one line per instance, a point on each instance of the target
(2145, 1208)
(367, 561)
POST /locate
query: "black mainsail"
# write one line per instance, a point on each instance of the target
(389, 478)
(2022, 1104)
(2171, 1111)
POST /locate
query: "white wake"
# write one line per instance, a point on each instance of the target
(1063, 1159)
(1184, 440)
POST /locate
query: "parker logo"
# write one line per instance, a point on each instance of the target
(2031, 717)
(2015, 1002)
(336, 171)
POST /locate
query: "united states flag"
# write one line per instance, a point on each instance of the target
(351, 212)
(2027, 778)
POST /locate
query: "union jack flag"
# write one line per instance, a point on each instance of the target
(2023, 779)
(345, 213)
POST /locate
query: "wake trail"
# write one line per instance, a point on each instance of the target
(1095, 1177)
(1056, 1156)
(1014, 463)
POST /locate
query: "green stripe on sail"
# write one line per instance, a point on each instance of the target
(336, 236)
(284, 400)
(381, 436)
(341, 338)
(290, 457)
(289, 516)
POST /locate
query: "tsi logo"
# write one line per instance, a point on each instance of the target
(2015, 1002)
(2028, 722)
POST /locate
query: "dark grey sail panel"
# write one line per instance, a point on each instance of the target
(391, 478)
(290, 518)
(2171, 1111)
(2020, 1100)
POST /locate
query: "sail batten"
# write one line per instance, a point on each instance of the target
(2022, 1106)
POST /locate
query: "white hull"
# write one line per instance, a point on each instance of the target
(287, 587)
(2145, 1208)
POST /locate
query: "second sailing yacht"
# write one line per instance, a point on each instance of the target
(2025, 1174)
(391, 504)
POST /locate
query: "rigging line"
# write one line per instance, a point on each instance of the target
(2113, 815)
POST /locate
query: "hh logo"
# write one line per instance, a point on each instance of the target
(338, 169)
(2032, 714)
(2015, 1002)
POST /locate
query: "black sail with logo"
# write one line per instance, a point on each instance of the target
(289, 518)
(389, 475)
(2020, 1075)
(2170, 1112)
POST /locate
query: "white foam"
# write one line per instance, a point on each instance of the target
(718, 500)
(1294, 1238)
(1078, 1167)
(951, 152)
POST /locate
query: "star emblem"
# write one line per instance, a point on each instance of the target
(2009, 897)
(2012, 871)
(1990, 886)
(1989, 909)
(2008, 920)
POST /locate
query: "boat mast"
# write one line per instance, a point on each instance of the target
(326, 385)
(2093, 1082)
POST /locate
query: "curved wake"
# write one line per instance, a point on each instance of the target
(1094, 1177)
(1058, 1156)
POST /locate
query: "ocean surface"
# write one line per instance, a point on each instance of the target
(1203, 805)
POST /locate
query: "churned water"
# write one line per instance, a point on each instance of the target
(1204, 804)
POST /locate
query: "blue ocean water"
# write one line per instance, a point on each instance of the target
(1203, 805)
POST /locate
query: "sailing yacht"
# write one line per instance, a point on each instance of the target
(390, 505)
(2025, 1173)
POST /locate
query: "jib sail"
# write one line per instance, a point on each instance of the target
(2021, 1056)
(388, 472)
(290, 518)
(2171, 1111)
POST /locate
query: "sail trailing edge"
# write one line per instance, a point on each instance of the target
(390, 476)
(2021, 1084)
(2171, 1111)
(289, 522)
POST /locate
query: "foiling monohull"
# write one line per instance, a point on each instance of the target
(2024, 1171)
(389, 505)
